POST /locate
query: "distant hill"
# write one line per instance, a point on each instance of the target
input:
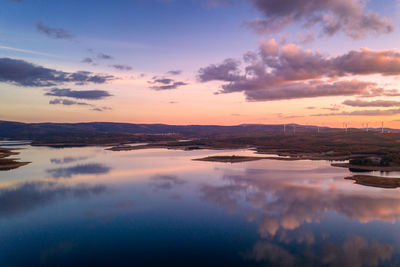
(18, 130)
(59, 132)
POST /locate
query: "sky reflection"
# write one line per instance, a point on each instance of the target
(278, 213)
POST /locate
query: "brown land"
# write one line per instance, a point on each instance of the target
(367, 168)
(233, 158)
(229, 159)
(9, 163)
(375, 181)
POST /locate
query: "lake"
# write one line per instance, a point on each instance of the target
(156, 207)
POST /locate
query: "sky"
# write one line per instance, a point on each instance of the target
(223, 62)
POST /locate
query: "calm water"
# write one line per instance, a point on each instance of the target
(89, 206)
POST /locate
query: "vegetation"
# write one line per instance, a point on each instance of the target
(390, 159)
(375, 181)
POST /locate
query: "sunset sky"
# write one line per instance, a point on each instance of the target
(201, 61)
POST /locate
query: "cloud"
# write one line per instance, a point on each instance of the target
(289, 72)
(122, 67)
(331, 16)
(66, 102)
(100, 109)
(376, 112)
(316, 88)
(22, 73)
(226, 71)
(174, 72)
(305, 38)
(91, 168)
(375, 103)
(104, 56)
(87, 60)
(55, 33)
(333, 107)
(86, 94)
(162, 83)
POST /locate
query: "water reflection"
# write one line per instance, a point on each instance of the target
(28, 196)
(356, 251)
(68, 172)
(165, 182)
(285, 203)
(274, 213)
(66, 160)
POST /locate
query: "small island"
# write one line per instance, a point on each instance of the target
(230, 159)
(375, 181)
(387, 163)
(9, 163)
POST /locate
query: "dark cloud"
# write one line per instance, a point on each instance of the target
(333, 107)
(92, 168)
(67, 102)
(166, 182)
(100, 109)
(22, 73)
(309, 90)
(104, 56)
(122, 67)
(87, 60)
(332, 16)
(226, 71)
(162, 83)
(375, 103)
(289, 72)
(56, 33)
(86, 94)
(28, 196)
(174, 72)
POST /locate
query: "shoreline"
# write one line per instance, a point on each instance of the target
(367, 168)
(375, 181)
(284, 154)
(7, 163)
